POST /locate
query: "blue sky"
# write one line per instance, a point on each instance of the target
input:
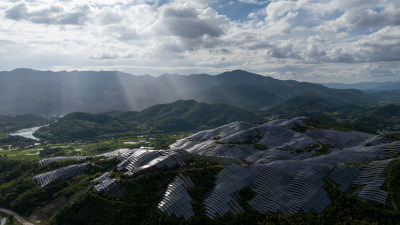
(306, 40)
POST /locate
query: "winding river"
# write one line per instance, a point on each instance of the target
(27, 132)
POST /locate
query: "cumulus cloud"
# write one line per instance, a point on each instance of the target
(369, 18)
(49, 15)
(282, 50)
(108, 16)
(256, 2)
(287, 39)
(188, 23)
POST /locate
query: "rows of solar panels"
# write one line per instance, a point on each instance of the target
(108, 185)
(284, 178)
(131, 161)
(63, 173)
(176, 200)
(283, 185)
(291, 186)
(240, 140)
(47, 161)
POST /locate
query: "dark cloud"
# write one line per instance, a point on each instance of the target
(18, 12)
(313, 54)
(181, 13)
(105, 56)
(257, 46)
(381, 46)
(370, 18)
(53, 15)
(283, 51)
(187, 23)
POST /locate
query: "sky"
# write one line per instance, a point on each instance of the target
(343, 41)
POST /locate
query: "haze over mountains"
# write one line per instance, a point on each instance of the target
(366, 86)
(47, 93)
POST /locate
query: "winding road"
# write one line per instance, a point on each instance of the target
(17, 216)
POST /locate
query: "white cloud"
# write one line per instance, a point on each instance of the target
(299, 39)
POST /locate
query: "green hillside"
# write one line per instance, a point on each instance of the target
(183, 115)
(10, 124)
(79, 124)
(349, 116)
(316, 107)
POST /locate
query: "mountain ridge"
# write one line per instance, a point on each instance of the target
(48, 93)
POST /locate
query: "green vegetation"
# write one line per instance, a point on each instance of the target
(318, 107)
(331, 113)
(83, 125)
(9, 124)
(15, 142)
(180, 116)
(393, 183)
(10, 220)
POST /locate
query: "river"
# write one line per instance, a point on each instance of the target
(27, 132)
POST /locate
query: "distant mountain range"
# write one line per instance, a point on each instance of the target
(46, 93)
(366, 86)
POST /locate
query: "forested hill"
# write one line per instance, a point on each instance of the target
(47, 93)
(10, 124)
(183, 115)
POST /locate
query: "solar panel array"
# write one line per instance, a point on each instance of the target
(217, 159)
(289, 186)
(370, 177)
(274, 155)
(285, 186)
(344, 176)
(358, 154)
(284, 143)
(340, 139)
(64, 173)
(222, 198)
(135, 160)
(108, 185)
(47, 161)
(176, 200)
(140, 159)
(283, 179)
(116, 153)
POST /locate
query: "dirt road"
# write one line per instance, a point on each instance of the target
(16, 215)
